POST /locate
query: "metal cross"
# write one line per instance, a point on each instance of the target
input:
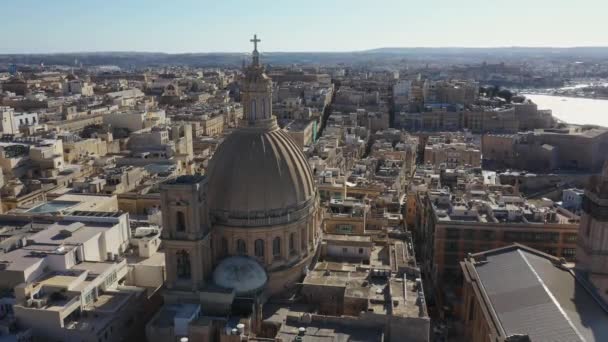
(255, 42)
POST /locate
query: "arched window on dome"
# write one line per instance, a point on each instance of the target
(180, 221)
(183, 265)
(241, 247)
(292, 243)
(276, 247)
(259, 248)
(264, 108)
(252, 113)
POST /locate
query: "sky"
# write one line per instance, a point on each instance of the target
(175, 26)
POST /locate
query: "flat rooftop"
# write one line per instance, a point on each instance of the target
(69, 233)
(342, 237)
(167, 314)
(328, 332)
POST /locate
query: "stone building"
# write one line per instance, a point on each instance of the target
(516, 293)
(303, 132)
(451, 224)
(571, 148)
(592, 247)
(452, 154)
(245, 232)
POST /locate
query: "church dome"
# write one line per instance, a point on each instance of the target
(259, 177)
(240, 273)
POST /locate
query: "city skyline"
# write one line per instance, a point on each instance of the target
(314, 26)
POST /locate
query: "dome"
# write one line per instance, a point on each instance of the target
(259, 174)
(240, 273)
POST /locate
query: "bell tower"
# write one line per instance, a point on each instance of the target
(592, 251)
(186, 232)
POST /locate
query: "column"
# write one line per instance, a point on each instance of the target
(304, 235)
(268, 249)
(298, 242)
(285, 246)
(195, 267)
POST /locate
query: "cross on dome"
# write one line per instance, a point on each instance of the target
(255, 42)
(255, 54)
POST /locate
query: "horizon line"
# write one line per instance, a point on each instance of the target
(311, 51)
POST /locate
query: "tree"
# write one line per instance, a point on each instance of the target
(505, 94)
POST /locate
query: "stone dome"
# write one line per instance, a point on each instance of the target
(259, 175)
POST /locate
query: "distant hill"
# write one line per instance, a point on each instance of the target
(374, 56)
(598, 51)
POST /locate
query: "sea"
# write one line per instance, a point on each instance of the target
(581, 111)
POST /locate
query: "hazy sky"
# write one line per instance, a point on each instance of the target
(295, 25)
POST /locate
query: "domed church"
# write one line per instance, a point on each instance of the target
(250, 227)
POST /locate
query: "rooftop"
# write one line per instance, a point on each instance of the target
(532, 293)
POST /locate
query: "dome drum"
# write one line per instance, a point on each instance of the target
(263, 218)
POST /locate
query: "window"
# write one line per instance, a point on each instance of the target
(344, 229)
(110, 279)
(451, 246)
(360, 250)
(224, 246)
(452, 233)
(241, 247)
(344, 250)
(292, 243)
(183, 265)
(550, 250)
(570, 238)
(569, 253)
(259, 248)
(488, 234)
(468, 234)
(88, 297)
(180, 221)
(276, 247)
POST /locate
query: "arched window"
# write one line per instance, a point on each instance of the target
(292, 243)
(263, 108)
(183, 265)
(241, 247)
(252, 116)
(276, 247)
(259, 248)
(180, 221)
